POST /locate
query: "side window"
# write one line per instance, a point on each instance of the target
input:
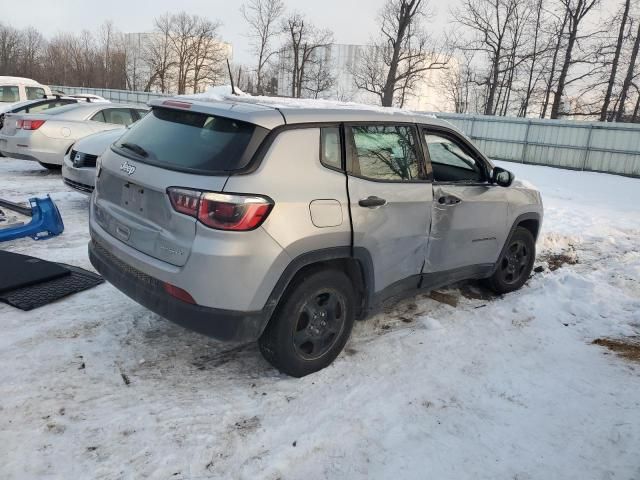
(450, 161)
(118, 116)
(98, 117)
(330, 147)
(9, 94)
(35, 93)
(385, 152)
(141, 113)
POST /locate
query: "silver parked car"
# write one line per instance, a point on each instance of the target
(283, 225)
(79, 167)
(47, 138)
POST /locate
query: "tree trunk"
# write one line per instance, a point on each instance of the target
(534, 57)
(562, 79)
(614, 67)
(495, 72)
(629, 78)
(404, 19)
(554, 63)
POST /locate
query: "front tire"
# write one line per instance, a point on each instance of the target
(515, 263)
(312, 324)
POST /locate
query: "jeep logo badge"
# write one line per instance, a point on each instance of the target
(127, 168)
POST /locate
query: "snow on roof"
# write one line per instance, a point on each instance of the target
(17, 80)
(223, 94)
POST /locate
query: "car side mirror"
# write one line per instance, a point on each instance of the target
(502, 177)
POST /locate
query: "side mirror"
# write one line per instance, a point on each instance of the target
(502, 177)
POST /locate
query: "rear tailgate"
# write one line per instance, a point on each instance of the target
(131, 204)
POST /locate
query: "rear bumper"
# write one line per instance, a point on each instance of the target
(225, 325)
(35, 147)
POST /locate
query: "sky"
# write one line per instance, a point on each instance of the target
(352, 21)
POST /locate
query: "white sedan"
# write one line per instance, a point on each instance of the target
(47, 138)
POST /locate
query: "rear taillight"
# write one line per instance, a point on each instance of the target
(30, 124)
(220, 210)
(185, 201)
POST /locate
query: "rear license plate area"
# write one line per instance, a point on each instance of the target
(133, 197)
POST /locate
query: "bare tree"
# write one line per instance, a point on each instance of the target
(320, 77)
(628, 80)
(537, 51)
(604, 113)
(458, 83)
(560, 28)
(262, 17)
(304, 41)
(490, 21)
(398, 60)
(9, 49)
(158, 54)
(577, 11)
(31, 52)
(208, 53)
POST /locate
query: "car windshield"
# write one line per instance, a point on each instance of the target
(190, 141)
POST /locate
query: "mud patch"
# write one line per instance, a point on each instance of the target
(475, 291)
(445, 298)
(628, 348)
(556, 261)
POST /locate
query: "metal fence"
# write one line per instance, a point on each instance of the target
(577, 145)
(118, 96)
(591, 146)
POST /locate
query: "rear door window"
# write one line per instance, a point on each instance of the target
(98, 117)
(191, 141)
(35, 93)
(119, 116)
(9, 93)
(386, 153)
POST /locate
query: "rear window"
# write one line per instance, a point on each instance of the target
(62, 109)
(35, 93)
(192, 142)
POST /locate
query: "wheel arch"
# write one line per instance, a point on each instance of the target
(356, 263)
(531, 221)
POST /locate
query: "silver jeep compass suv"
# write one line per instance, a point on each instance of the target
(250, 222)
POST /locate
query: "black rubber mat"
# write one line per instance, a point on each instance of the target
(34, 296)
(18, 271)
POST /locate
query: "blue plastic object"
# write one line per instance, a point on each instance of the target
(45, 223)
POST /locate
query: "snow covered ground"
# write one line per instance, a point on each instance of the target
(507, 388)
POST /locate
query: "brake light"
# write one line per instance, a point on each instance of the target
(29, 124)
(220, 210)
(177, 104)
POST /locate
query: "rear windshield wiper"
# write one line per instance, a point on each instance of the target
(135, 148)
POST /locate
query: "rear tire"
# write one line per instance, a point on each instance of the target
(312, 323)
(51, 166)
(515, 263)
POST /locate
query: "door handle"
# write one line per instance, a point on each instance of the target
(372, 202)
(449, 200)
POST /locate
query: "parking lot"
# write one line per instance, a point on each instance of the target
(459, 384)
